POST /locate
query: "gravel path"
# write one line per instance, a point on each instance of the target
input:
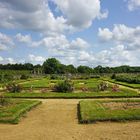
(56, 119)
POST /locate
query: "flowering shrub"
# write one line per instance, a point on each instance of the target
(65, 86)
(13, 88)
(103, 86)
(115, 88)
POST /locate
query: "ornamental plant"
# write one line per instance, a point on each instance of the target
(65, 86)
(13, 88)
(103, 86)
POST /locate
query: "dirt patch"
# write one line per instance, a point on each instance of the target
(56, 119)
(122, 105)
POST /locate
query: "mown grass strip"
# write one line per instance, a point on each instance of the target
(11, 113)
(92, 111)
(134, 86)
(124, 93)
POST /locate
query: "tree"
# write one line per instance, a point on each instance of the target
(71, 69)
(84, 69)
(51, 66)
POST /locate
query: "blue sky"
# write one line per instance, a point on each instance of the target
(78, 32)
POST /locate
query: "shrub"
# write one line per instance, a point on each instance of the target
(95, 76)
(65, 86)
(132, 79)
(3, 101)
(103, 86)
(113, 76)
(84, 89)
(115, 88)
(6, 77)
(53, 77)
(13, 88)
(1, 78)
(23, 76)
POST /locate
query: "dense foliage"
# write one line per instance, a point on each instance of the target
(3, 100)
(13, 88)
(11, 75)
(135, 79)
(54, 66)
(26, 66)
(65, 86)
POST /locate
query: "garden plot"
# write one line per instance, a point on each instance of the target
(122, 110)
(12, 110)
(90, 88)
(122, 105)
(56, 119)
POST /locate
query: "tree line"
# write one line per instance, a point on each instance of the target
(54, 66)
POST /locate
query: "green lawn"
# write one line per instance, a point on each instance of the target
(136, 86)
(46, 83)
(12, 112)
(107, 94)
(91, 111)
(89, 83)
(39, 83)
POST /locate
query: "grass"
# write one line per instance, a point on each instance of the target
(38, 83)
(92, 111)
(107, 94)
(45, 82)
(135, 86)
(90, 84)
(12, 112)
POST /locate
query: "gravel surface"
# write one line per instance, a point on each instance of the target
(56, 119)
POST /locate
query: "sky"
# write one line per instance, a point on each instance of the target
(78, 32)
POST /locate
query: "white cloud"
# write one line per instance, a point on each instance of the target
(81, 13)
(103, 15)
(85, 56)
(36, 15)
(133, 5)
(34, 59)
(7, 60)
(5, 41)
(114, 56)
(78, 51)
(55, 41)
(105, 34)
(10, 60)
(1, 58)
(61, 43)
(23, 38)
(121, 34)
(31, 15)
(78, 44)
(118, 56)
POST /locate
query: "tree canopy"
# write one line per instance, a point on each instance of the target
(54, 66)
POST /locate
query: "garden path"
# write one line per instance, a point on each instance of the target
(56, 119)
